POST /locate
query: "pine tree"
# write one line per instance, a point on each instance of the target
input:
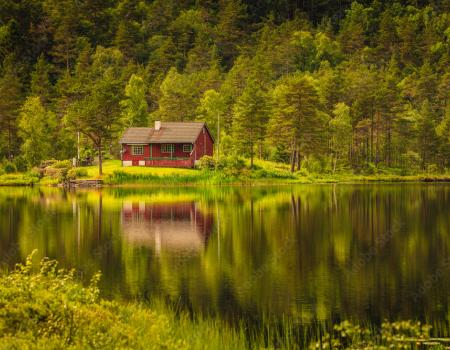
(427, 137)
(40, 81)
(96, 112)
(297, 121)
(230, 29)
(249, 119)
(64, 22)
(341, 134)
(10, 101)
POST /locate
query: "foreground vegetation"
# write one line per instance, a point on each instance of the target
(235, 171)
(49, 309)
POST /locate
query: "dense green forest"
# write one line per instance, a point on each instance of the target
(326, 85)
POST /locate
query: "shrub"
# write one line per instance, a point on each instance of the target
(76, 173)
(20, 163)
(49, 309)
(207, 163)
(9, 167)
(48, 162)
(36, 172)
(317, 164)
(61, 164)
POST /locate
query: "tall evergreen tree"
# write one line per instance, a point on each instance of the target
(297, 120)
(250, 118)
(96, 113)
(10, 101)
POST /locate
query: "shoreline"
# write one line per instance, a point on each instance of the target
(201, 181)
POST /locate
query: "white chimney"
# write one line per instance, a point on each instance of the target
(157, 125)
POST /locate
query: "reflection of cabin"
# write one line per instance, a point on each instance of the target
(166, 145)
(175, 226)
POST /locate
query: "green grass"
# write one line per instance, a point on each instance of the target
(18, 179)
(110, 166)
(47, 308)
(263, 173)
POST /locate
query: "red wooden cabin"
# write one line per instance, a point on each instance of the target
(168, 144)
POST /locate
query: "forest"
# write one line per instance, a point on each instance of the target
(327, 85)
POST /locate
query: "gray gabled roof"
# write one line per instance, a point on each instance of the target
(170, 132)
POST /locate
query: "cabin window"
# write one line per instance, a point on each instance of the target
(187, 148)
(167, 148)
(137, 150)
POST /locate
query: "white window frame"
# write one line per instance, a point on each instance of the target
(135, 148)
(167, 148)
(187, 148)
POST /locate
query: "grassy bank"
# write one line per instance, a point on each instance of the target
(18, 179)
(47, 308)
(264, 172)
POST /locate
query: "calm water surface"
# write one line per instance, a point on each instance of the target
(310, 252)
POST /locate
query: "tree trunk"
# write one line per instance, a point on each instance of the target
(299, 160)
(371, 137)
(9, 142)
(293, 158)
(100, 159)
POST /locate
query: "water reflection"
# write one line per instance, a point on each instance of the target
(306, 252)
(179, 227)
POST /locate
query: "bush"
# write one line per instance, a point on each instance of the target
(9, 167)
(36, 172)
(49, 309)
(48, 162)
(75, 173)
(207, 163)
(57, 170)
(61, 164)
(316, 164)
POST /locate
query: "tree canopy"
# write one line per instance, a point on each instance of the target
(353, 85)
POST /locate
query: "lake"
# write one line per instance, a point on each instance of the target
(311, 253)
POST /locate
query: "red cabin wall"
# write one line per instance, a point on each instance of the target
(177, 153)
(127, 156)
(204, 146)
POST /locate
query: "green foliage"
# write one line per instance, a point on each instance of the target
(98, 67)
(56, 170)
(250, 118)
(207, 163)
(212, 110)
(76, 173)
(134, 107)
(35, 125)
(401, 335)
(297, 121)
(9, 167)
(96, 111)
(50, 309)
